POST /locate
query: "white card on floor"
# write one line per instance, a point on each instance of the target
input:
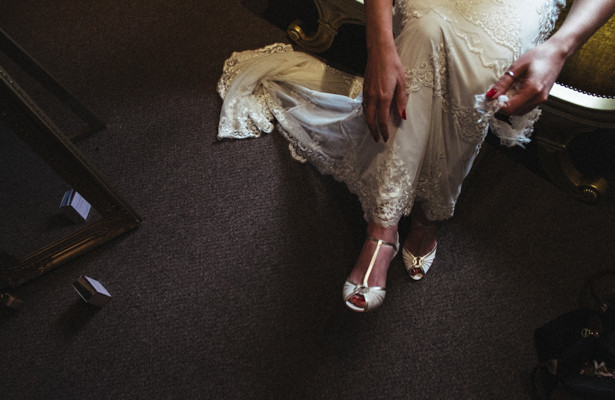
(75, 206)
(92, 291)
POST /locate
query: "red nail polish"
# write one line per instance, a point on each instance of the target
(490, 93)
(403, 114)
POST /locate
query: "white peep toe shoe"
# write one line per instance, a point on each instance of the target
(417, 267)
(374, 295)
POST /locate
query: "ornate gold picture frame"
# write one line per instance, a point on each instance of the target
(23, 117)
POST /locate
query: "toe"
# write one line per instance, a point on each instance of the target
(358, 301)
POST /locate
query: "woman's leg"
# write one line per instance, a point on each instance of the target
(419, 249)
(379, 271)
(422, 237)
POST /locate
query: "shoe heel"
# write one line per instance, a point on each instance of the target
(374, 295)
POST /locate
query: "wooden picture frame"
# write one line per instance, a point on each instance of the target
(21, 115)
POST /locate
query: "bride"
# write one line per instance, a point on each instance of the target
(439, 74)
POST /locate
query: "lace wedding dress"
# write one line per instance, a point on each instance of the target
(452, 51)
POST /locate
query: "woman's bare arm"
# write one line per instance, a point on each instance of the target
(384, 87)
(538, 68)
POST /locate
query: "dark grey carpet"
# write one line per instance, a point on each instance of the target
(231, 288)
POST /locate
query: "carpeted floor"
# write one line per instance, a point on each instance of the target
(231, 287)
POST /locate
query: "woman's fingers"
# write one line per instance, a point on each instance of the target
(378, 108)
(377, 117)
(384, 107)
(533, 75)
(369, 111)
(383, 91)
(503, 84)
(401, 100)
(529, 96)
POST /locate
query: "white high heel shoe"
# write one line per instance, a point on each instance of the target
(374, 295)
(417, 267)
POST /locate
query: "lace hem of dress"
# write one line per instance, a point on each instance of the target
(249, 112)
(512, 131)
(232, 68)
(385, 193)
(252, 116)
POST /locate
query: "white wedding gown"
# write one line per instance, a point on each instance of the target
(452, 51)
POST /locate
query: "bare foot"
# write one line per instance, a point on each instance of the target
(422, 237)
(379, 271)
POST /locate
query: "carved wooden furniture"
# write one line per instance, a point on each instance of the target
(567, 115)
(581, 103)
(332, 14)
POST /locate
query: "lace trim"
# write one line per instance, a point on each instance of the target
(469, 124)
(394, 190)
(385, 192)
(516, 130)
(251, 112)
(251, 120)
(252, 115)
(231, 68)
(499, 25)
(502, 25)
(431, 74)
(548, 16)
(428, 191)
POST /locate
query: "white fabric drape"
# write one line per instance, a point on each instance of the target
(453, 51)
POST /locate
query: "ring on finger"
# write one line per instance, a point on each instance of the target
(510, 73)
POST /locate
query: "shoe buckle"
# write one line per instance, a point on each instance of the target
(363, 290)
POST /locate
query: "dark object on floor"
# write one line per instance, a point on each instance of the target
(577, 350)
(9, 301)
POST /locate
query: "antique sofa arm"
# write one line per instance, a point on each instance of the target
(332, 14)
(582, 103)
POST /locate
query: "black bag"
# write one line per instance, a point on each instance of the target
(577, 350)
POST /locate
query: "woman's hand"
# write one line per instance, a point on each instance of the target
(535, 72)
(384, 90)
(384, 85)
